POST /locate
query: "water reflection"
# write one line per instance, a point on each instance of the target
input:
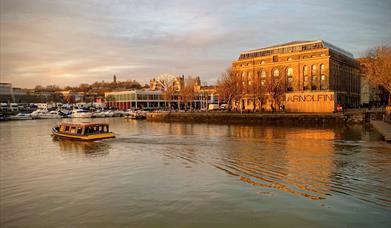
(299, 161)
(89, 149)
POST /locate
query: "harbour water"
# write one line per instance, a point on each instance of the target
(176, 174)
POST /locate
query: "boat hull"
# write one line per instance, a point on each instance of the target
(83, 137)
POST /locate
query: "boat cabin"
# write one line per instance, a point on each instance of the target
(84, 128)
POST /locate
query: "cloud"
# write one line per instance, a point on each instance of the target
(69, 42)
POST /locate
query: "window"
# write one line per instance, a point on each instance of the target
(73, 130)
(314, 87)
(66, 128)
(289, 72)
(314, 78)
(321, 68)
(275, 58)
(313, 69)
(79, 130)
(263, 74)
(262, 62)
(306, 78)
(290, 58)
(290, 79)
(249, 82)
(263, 82)
(276, 73)
(323, 77)
(305, 70)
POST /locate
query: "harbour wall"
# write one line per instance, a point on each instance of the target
(355, 117)
(250, 118)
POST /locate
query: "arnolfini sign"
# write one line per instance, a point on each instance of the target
(310, 102)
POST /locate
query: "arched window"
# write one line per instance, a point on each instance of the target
(263, 74)
(313, 69)
(305, 70)
(289, 72)
(290, 58)
(276, 73)
(321, 68)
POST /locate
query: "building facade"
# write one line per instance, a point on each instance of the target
(155, 100)
(315, 76)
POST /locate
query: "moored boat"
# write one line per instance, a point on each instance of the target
(83, 131)
(109, 113)
(81, 113)
(136, 115)
(98, 114)
(20, 116)
(45, 114)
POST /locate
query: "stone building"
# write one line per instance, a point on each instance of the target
(315, 76)
(178, 82)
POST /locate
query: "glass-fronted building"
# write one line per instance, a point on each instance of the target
(152, 100)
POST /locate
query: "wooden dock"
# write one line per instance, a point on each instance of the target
(383, 128)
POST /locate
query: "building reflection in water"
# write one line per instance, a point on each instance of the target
(88, 149)
(303, 167)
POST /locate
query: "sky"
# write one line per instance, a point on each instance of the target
(68, 42)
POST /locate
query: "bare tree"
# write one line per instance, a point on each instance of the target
(259, 92)
(188, 92)
(275, 88)
(166, 82)
(230, 87)
(379, 67)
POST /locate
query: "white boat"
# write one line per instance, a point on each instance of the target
(109, 113)
(81, 113)
(20, 116)
(98, 114)
(45, 114)
(119, 113)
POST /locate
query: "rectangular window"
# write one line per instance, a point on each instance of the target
(73, 130)
(275, 58)
(66, 128)
(79, 130)
(322, 77)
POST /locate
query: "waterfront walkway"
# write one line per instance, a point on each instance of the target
(383, 128)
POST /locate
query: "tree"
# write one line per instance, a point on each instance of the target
(275, 87)
(188, 92)
(259, 92)
(230, 87)
(166, 82)
(38, 88)
(379, 67)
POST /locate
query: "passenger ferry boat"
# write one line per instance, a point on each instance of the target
(82, 131)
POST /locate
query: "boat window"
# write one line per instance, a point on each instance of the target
(89, 130)
(79, 130)
(66, 128)
(73, 130)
